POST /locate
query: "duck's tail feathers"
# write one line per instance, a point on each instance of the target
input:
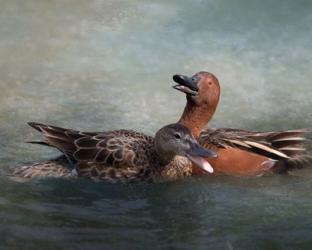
(58, 167)
(296, 162)
(277, 145)
(291, 142)
(60, 138)
(289, 147)
(39, 143)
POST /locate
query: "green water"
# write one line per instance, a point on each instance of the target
(98, 65)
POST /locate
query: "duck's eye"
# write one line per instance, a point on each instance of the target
(177, 136)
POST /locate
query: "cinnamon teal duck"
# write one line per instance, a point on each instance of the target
(120, 155)
(240, 152)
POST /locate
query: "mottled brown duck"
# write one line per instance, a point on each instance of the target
(240, 152)
(120, 155)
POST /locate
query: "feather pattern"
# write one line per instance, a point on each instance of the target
(50, 168)
(119, 155)
(288, 146)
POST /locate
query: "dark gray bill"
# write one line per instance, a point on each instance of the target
(196, 154)
(187, 85)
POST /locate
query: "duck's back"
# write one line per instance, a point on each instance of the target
(122, 155)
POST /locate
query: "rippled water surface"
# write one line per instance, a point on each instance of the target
(97, 65)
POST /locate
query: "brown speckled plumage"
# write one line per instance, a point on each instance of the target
(120, 155)
(49, 168)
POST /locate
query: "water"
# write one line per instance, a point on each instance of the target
(97, 65)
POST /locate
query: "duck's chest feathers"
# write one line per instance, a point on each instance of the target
(179, 167)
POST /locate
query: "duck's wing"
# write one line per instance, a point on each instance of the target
(287, 145)
(61, 138)
(119, 148)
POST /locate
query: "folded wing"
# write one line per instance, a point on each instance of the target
(119, 148)
(289, 146)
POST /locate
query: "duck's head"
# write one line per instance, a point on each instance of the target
(176, 139)
(202, 93)
(201, 89)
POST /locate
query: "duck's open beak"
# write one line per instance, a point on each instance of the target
(186, 84)
(196, 154)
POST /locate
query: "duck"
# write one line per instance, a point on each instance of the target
(118, 155)
(240, 153)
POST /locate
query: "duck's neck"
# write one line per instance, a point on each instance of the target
(195, 117)
(161, 160)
